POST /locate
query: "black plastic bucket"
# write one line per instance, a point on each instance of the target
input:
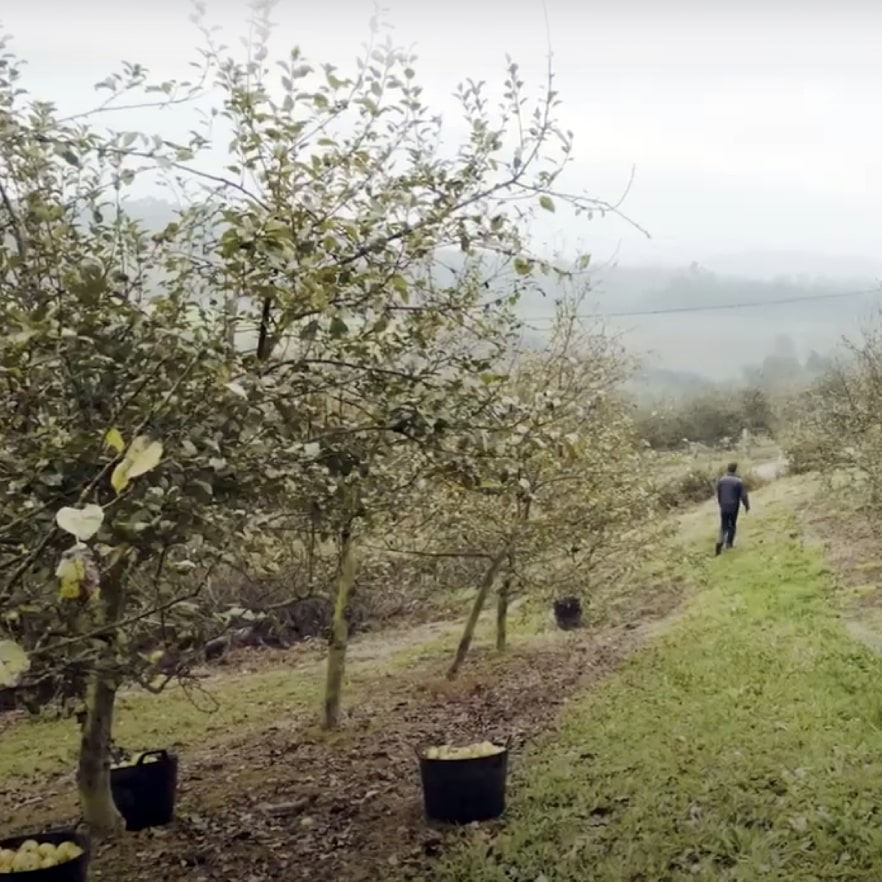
(464, 791)
(76, 870)
(568, 613)
(145, 793)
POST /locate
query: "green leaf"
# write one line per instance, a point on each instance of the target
(309, 330)
(204, 488)
(338, 328)
(547, 203)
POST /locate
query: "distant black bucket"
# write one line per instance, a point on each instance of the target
(464, 791)
(568, 613)
(145, 793)
(76, 870)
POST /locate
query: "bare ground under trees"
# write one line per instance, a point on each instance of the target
(289, 802)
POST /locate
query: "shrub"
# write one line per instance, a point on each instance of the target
(693, 486)
(711, 418)
(806, 453)
(698, 485)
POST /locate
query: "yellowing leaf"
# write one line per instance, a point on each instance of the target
(71, 572)
(119, 479)
(69, 589)
(143, 455)
(14, 662)
(78, 574)
(83, 523)
(114, 440)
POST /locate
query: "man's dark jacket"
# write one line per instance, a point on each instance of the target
(731, 493)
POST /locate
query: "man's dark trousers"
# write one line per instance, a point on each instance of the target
(728, 524)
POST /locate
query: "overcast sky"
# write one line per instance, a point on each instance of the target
(750, 129)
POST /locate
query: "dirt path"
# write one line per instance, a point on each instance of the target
(382, 646)
(771, 471)
(373, 646)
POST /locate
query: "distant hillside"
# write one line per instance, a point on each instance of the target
(650, 384)
(796, 265)
(697, 322)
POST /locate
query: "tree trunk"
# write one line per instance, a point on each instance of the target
(231, 314)
(93, 772)
(339, 634)
(504, 596)
(502, 614)
(264, 340)
(93, 769)
(480, 599)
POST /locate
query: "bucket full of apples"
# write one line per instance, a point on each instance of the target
(144, 787)
(62, 856)
(465, 784)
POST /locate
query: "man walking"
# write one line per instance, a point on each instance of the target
(731, 495)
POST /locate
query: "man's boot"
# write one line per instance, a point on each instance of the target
(719, 548)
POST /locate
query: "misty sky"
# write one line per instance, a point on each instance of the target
(750, 129)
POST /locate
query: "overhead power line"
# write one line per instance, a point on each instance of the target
(713, 307)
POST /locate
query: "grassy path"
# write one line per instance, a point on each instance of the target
(745, 744)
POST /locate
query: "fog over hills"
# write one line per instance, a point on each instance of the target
(715, 323)
(710, 320)
(746, 145)
(794, 264)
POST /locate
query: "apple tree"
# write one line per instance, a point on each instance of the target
(130, 458)
(552, 492)
(341, 212)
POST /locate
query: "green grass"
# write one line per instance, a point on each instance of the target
(230, 706)
(745, 744)
(237, 703)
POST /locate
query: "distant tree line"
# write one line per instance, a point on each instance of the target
(712, 413)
